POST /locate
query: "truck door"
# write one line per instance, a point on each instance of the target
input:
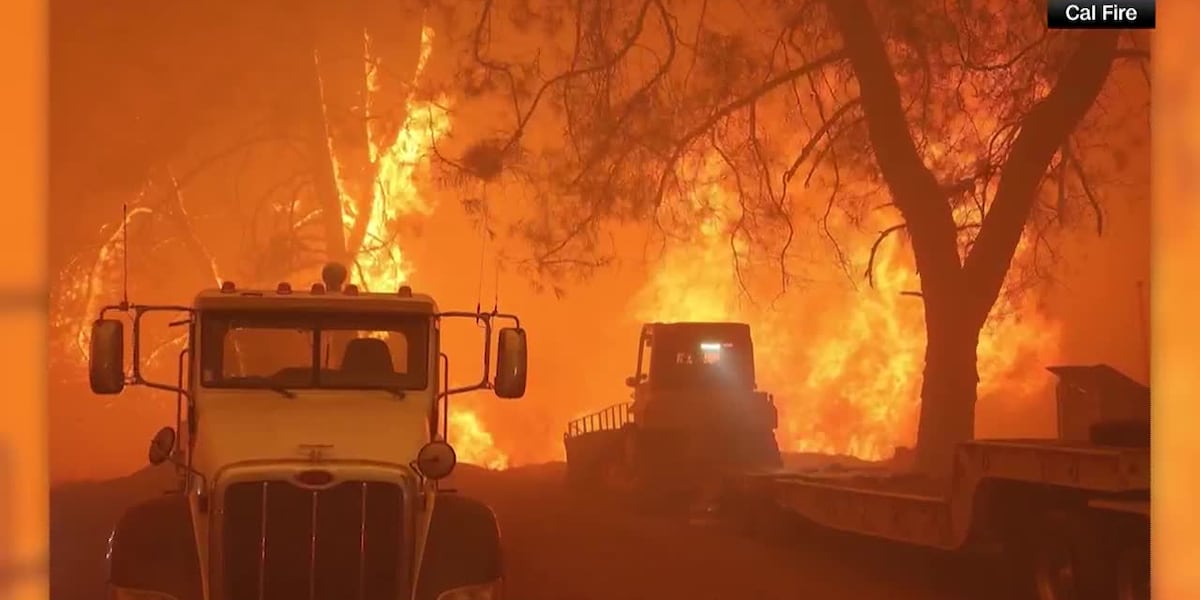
(641, 389)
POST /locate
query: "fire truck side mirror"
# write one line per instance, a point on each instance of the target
(511, 363)
(106, 361)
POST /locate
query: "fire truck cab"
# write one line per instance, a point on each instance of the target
(310, 437)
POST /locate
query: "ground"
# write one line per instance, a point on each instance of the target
(561, 547)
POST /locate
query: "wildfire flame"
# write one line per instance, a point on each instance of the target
(379, 262)
(472, 442)
(86, 286)
(845, 366)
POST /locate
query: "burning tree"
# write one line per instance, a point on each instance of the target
(314, 160)
(962, 119)
(277, 140)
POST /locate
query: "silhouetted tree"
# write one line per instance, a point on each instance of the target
(234, 115)
(965, 114)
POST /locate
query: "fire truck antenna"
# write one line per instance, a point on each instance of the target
(124, 255)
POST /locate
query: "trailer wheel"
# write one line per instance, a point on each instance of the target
(1131, 570)
(1055, 573)
(1065, 557)
(1081, 555)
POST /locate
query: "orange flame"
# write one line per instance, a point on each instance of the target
(85, 285)
(379, 262)
(473, 443)
(845, 366)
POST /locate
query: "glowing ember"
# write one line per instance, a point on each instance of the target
(844, 365)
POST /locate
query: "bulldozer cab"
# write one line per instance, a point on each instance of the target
(689, 356)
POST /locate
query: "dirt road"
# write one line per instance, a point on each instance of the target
(561, 547)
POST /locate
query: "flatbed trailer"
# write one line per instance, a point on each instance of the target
(991, 472)
(1073, 513)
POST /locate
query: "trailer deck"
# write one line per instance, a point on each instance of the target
(939, 514)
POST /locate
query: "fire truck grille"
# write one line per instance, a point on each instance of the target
(284, 542)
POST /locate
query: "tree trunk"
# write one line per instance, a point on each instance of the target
(959, 293)
(340, 82)
(948, 389)
(394, 28)
(308, 109)
(340, 55)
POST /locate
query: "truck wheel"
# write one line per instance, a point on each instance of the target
(463, 555)
(152, 549)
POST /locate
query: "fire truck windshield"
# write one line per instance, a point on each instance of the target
(284, 351)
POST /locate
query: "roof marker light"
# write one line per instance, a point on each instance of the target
(317, 288)
(228, 287)
(350, 289)
(284, 288)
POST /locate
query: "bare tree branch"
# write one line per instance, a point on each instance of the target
(1070, 160)
(684, 142)
(869, 273)
(1043, 131)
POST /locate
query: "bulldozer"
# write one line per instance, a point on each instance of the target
(696, 415)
